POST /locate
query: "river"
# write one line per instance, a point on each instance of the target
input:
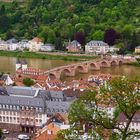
(7, 65)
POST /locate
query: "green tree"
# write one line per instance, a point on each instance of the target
(121, 93)
(28, 82)
(1, 134)
(98, 35)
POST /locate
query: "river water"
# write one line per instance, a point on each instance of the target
(7, 65)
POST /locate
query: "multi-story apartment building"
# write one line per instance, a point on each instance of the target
(28, 108)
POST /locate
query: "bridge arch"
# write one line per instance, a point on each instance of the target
(93, 66)
(104, 64)
(80, 68)
(52, 76)
(120, 62)
(113, 63)
(65, 72)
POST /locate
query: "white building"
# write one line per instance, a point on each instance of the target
(22, 65)
(6, 80)
(23, 44)
(97, 47)
(47, 47)
(12, 44)
(35, 44)
(3, 45)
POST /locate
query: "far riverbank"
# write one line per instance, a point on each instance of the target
(137, 63)
(50, 56)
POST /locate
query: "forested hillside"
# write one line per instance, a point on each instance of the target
(58, 21)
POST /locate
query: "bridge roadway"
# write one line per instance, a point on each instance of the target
(84, 67)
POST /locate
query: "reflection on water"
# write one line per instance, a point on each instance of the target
(127, 70)
(7, 64)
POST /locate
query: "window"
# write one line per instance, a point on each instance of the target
(17, 107)
(3, 106)
(11, 113)
(17, 120)
(14, 113)
(7, 119)
(3, 119)
(11, 107)
(40, 109)
(36, 109)
(7, 107)
(132, 123)
(14, 107)
(40, 115)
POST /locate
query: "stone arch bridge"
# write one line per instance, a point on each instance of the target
(85, 67)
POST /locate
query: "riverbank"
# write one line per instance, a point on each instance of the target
(52, 56)
(137, 64)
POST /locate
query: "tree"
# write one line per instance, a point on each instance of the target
(2, 10)
(98, 35)
(86, 114)
(28, 82)
(80, 37)
(1, 134)
(111, 36)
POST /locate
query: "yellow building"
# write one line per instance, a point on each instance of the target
(137, 49)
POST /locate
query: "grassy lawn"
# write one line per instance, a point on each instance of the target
(45, 56)
(137, 64)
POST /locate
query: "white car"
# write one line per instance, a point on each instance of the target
(23, 137)
(5, 131)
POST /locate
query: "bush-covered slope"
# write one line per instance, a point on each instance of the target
(57, 21)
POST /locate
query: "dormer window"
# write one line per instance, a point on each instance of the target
(17, 107)
(3, 106)
(7, 107)
(14, 107)
(11, 107)
(40, 109)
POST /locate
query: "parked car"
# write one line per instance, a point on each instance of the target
(5, 131)
(23, 137)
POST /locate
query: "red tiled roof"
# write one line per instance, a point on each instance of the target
(37, 40)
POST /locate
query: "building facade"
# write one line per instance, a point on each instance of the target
(27, 108)
(97, 47)
(35, 44)
(74, 46)
(137, 49)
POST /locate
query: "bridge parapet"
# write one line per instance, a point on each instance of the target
(84, 67)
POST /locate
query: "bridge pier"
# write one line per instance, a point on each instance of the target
(95, 68)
